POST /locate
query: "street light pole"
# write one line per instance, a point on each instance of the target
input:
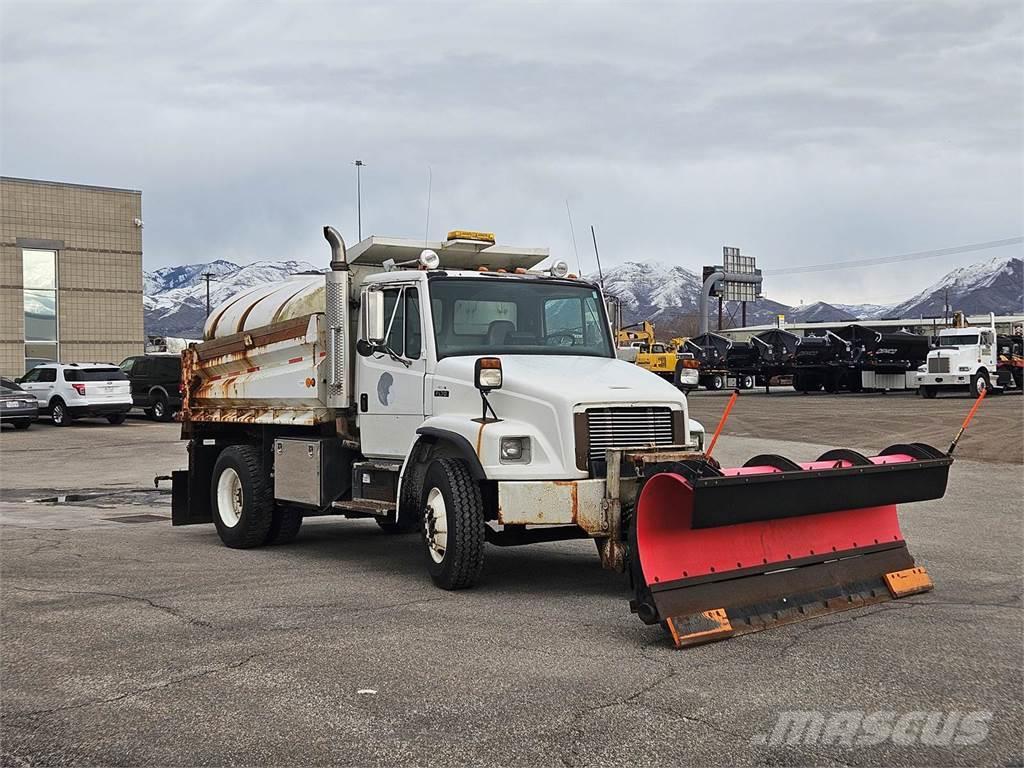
(208, 276)
(359, 199)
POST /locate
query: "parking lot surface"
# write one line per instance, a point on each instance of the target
(127, 641)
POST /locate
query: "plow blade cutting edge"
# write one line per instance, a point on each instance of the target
(724, 552)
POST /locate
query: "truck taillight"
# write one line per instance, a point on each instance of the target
(691, 364)
(79, 388)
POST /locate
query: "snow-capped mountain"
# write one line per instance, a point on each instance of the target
(175, 297)
(996, 285)
(654, 291)
(175, 300)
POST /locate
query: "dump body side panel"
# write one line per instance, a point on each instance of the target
(269, 375)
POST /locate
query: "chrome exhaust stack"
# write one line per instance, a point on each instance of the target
(338, 280)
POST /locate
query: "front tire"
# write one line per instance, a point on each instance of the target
(453, 524)
(979, 381)
(241, 497)
(22, 424)
(59, 413)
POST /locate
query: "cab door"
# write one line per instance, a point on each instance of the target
(389, 384)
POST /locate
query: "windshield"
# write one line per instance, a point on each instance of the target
(488, 316)
(959, 340)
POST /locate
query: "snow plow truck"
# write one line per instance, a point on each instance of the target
(456, 390)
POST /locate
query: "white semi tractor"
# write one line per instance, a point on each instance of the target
(972, 358)
(455, 389)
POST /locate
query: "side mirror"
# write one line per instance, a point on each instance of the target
(373, 317)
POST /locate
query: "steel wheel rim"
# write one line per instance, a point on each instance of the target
(229, 497)
(981, 385)
(435, 523)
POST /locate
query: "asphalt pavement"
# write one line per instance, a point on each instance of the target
(127, 641)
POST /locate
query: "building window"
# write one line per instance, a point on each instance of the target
(39, 278)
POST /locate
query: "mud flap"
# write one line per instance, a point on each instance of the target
(720, 553)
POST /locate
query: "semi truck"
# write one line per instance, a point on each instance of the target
(972, 358)
(457, 390)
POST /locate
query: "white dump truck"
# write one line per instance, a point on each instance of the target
(972, 358)
(456, 390)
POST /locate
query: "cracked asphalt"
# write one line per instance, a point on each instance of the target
(132, 643)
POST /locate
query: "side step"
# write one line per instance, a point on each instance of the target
(371, 507)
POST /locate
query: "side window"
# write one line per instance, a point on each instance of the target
(170, 368)
(48, 374)
(126, 365)
(31, 376)
(394, 317)
(144, 367)
(413, 324)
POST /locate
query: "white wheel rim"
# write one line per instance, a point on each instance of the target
(981, 384)
(58, 412)
(435, 521)
(229, 497)
(158, 409)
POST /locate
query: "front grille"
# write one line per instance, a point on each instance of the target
(626, 428)
(938, 365)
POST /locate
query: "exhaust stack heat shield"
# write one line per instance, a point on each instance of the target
(722, 552)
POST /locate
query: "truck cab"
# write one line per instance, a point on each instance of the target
(430, 388)
(965, 358)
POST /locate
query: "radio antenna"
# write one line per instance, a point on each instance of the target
(597, 255)
(572, 231)
(430, 184)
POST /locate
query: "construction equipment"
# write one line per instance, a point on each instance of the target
(652, 355)
(458, 390)
(728, 551)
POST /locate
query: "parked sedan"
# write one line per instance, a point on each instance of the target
(17, 406)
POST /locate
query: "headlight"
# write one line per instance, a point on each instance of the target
(515, 450)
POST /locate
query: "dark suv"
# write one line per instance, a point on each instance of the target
(156, 383)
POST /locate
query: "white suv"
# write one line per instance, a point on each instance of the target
(70, 390)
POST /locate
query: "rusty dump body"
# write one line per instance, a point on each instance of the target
(722, 552)
(270, 375)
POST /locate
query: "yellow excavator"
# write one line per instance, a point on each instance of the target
(651, 354)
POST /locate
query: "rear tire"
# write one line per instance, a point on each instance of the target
(161, 409)
(59, 413)
(979, 381)
(716, 382)
(117, 418)
(241, 497)
(745, 382)
(453, 524)
(284, 525)
(928, 392)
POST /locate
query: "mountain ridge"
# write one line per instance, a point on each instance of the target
(175, 297)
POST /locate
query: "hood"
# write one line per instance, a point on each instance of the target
(570, 379)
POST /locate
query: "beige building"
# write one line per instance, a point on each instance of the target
(70, 274)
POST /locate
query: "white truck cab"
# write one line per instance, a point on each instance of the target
(449, 388)
(965, 358)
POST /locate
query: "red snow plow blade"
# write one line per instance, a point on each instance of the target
(724, 552)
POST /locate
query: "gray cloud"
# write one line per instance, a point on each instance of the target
(802, 132)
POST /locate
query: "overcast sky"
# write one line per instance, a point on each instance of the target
(803, 133)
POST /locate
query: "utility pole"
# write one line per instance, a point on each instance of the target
(359, 199)
(208, 276)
